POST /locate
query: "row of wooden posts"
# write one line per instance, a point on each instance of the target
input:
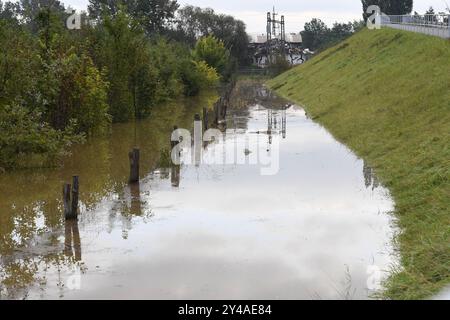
(71, 191)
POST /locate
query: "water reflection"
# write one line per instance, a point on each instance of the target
(135, 199)
(72, 243)
(313, 227)
(370, 177)
(31, 218)
(175, 175)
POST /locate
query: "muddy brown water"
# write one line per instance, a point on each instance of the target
(318, 227)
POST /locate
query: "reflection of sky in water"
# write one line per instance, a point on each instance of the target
(309, 232)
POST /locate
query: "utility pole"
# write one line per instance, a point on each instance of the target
(283, 35)
(269, 35)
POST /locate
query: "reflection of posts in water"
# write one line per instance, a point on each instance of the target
(205, 119)
(70, 199)
(176, 175)
(221, 106)
(198, 139)
(283, 123)
(367, 171)
(135, 197)
(269, 125)
(72, 243)
(370, 179)
(205, 125)
(134, 165)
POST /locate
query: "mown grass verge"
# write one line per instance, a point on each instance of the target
(386, 94)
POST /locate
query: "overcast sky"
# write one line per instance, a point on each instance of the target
(297, 12)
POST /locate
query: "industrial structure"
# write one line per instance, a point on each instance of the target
(275, 42)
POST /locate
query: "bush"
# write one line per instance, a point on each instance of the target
(279, 65)
(197, 75)
(213, 52)
(26, 141)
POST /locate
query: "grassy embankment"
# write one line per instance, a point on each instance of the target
(386, 94)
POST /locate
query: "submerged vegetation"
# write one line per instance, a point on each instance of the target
(386, 94)
(58, 86)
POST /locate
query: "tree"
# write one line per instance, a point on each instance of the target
(389, 7)
(318, 36)
(24, 138)
(193, 23)
(29, 11)
(18, 63)
(69, 84)
(9, 10)
(119, 40)
(154, 15)
(315, 34)
(213, 52)
(57, 85)
(399, 7)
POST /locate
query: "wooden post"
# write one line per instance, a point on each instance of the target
(173, 144)
(216, 113)
(66, 201)
(205, 119)
(134, 165)
(75, 196)
(198, 134)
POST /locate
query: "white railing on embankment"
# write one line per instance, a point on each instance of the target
(435, 25)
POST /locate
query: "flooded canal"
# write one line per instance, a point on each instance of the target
(316, 226)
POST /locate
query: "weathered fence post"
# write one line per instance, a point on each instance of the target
(198, 139)
(205, 119)
(75, 196)
(134, 165)
(173, 144)
(216, 113)
(70, 199)
(66, 201)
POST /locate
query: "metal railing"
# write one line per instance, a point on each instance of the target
(436, 24)
(427, 20)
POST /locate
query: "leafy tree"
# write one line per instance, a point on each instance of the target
(389, 7)
(58, 85)
(279, 65)
(165, 57)
(25, 141)
(70, 87)
(29, 11)
(318, 36)
(141, 73)
(120, 41)
(18, 61)
(9, 10)
(315, 34)
(193, 23)
(213, 52)
(154, 15)
(197, 75)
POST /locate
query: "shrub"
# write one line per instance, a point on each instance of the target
(213, 52)
(26, 141)
(279, 65)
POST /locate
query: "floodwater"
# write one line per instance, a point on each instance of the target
(314, 226)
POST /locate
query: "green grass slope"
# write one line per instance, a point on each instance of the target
(386, 94)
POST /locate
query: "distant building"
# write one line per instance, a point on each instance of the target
(262, 38)
(294, 38)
